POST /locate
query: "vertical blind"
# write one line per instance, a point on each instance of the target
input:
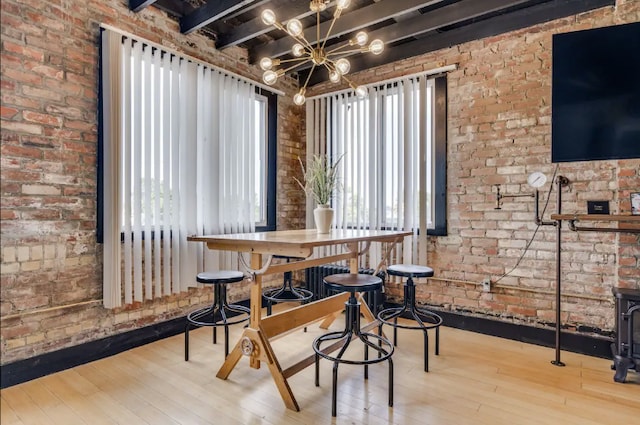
(178, 154)
(387, 168)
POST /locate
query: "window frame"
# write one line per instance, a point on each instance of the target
(440, 158)
(271, 154)
(272, 163)
(438, 164)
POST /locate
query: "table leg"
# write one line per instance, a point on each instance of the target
(256, 301)
(255, 344)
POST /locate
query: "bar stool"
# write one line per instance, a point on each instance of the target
(352, 283)
(220, 312)
(424, 319)
(285, 293)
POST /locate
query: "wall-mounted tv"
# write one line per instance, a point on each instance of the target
(596, 94)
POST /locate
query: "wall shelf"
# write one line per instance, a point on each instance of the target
(625, 223)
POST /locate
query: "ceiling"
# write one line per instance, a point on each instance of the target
(407, 27)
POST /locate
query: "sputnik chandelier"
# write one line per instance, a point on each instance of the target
(304, 52)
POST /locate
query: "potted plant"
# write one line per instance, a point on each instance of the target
(320, 181)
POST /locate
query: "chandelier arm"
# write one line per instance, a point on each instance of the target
(318, 28)
(337, 50)
(294, 66)
(326, 37)
(300, 39)
(304, 87)
(353, 86)
(293, 59)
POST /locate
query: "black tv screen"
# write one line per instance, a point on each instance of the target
(595, 91)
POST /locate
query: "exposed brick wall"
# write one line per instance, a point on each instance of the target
(499, 131)
(51, 272)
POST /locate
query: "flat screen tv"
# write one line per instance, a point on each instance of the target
(595, 92)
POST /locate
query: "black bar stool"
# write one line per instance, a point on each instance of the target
(285, 293)
(219, 313)
(352, 283)
(424, 319)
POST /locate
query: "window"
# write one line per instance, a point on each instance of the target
(394, 141)
(186, 149)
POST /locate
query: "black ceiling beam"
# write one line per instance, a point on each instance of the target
(256, 27)
(534, 15)
(359, 18)
(210, 12)
(438, 18)
(138, 5)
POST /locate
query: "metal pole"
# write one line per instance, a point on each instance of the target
(561, 181)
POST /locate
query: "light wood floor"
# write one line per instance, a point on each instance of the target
(477, 379)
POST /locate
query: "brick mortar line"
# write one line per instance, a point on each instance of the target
(46, 310)
(534, 291)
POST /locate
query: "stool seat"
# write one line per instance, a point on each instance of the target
(341, 340)
(220, 276)
(350, 282)
(220, 313)
(410, 270)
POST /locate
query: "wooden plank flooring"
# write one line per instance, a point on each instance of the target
(477, 379)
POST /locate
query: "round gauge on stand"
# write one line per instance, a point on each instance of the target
(536, 179)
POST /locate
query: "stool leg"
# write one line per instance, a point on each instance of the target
(334, 389)
(226, 340)
(317, 370)
(390, 382)
(437, 340)
(219, 294)
(395, 331)
(268, 307)
(379, 341)
(366, 357)
(426, 351)
(186, 342)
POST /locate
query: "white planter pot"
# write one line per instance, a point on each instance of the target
(323, 216)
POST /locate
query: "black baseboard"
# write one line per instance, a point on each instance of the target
(45, 364)
(590, 345)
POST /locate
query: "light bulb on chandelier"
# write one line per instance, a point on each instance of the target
(316, 54)
(361, 38)
(299, 98)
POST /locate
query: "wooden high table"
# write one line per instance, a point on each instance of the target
(254, 342)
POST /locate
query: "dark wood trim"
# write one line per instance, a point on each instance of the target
(256, 27)
(138, 5)
(210, 12)
(524, 18)
(35, 367)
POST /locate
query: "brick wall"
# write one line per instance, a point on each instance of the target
(499, 131)
(51, 272)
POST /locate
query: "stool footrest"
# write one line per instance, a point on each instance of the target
(423, 319)
(339, 336)
(287, 294)
(196, 317)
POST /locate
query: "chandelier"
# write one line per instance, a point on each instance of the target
(304, 51)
